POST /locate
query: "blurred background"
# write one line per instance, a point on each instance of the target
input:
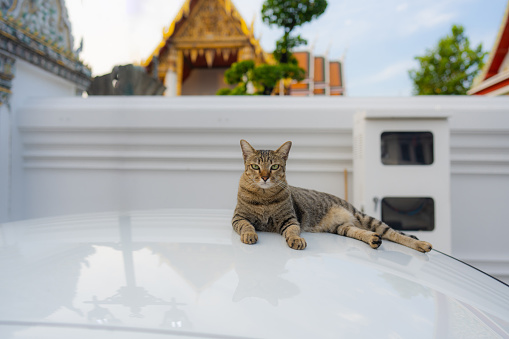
(378, 40)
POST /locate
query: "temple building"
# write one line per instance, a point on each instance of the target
(494, 77)
(323, 77)
(207, 37)
(202, 42)
(36, 45)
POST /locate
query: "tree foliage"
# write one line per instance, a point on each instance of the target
(289, 14)
(238, 74)
(450, 67)
(263, 78)
(284, 47)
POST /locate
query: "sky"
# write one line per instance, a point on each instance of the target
(377, 39)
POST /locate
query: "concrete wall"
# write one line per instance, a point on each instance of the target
(103, 154)
(29, 82)
(480, 185)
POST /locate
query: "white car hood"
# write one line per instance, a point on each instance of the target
(185, 273)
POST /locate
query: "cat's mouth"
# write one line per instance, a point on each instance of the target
(265, 184)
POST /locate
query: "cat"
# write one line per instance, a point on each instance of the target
(265, 202)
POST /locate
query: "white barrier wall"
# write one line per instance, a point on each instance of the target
(29, 81)
(118, 153)
(480, 185)
(103, 154)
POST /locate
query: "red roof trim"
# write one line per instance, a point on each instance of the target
(500, 52)
(493, 87)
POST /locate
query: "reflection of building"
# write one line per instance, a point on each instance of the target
(323, 77)
(202, 42)
(494, 78)
(207, 37)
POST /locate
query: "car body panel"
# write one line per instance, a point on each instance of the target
(185, 273)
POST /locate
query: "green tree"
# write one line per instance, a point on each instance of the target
(450, 67)
(264, 78)
(289, 14)
(292, 71)
(240, 73)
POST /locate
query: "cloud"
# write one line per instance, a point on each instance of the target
(394, 70)
(402, 7)
(426, 18)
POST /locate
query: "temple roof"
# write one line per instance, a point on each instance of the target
(497, 60)
(216, 24)
(40, 33)
(499, 50)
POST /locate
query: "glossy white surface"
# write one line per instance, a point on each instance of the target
(185, 273)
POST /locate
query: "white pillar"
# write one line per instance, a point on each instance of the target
(171, 84)
(311, 72)
(326, 76)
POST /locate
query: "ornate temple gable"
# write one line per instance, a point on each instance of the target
(209, 24)
(205, 24)
(47, 19)
(39, 32)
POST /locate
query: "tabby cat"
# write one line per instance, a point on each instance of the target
(265, 202)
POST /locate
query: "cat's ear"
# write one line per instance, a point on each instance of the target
(284, 150)
(247, 149)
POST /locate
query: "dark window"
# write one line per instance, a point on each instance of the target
(409, 214)
(407, 148)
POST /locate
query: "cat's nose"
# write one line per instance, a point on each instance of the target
(265, 178)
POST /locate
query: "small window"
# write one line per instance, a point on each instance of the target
(409, 214)
(407, 148)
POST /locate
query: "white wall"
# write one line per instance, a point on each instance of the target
(29, 82)
(102, 154)
(480, 186)
(5, 156)
(116, 153)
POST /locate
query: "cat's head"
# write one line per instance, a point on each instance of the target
(265, 169)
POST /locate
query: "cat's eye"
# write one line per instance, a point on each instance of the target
(274, 167)
(255, 167)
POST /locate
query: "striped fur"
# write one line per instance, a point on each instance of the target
(265, 202)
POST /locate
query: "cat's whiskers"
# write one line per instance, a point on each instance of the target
(281, 184)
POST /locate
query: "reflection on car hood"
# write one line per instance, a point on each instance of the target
(185, 273)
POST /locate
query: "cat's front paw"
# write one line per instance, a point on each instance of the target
(297, 243)
(249, 238)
